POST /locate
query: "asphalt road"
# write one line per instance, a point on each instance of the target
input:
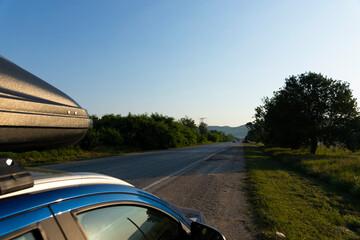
(144, 170)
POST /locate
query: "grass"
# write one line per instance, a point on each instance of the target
(70, 154)
(287, 198)
(336, 167)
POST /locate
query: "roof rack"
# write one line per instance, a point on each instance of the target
(13, 176)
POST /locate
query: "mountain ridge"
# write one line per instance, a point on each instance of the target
(239, 132)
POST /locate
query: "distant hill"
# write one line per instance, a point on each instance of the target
(239, 132)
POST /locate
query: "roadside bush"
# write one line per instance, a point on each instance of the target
(213, 137)
(91, 140)
(111, 137)
(147, 132)
(190, 136)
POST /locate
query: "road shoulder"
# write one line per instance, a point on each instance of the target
(216, 187)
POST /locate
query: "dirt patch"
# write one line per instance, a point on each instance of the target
(216, 188)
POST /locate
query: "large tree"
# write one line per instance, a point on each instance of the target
(309, 109)
(256, 128)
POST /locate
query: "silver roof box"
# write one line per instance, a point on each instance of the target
(35, 115)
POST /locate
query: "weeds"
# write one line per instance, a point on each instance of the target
(286, 198)
(334, 166)
(69, 154)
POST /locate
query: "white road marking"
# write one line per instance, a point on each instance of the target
(164, 178)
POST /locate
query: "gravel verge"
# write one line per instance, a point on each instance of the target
(216, 187)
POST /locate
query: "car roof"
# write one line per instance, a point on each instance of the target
(67, 198)
(65, 186)
(54, 187)
(45, 180)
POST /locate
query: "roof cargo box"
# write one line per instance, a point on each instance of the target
(35, 115)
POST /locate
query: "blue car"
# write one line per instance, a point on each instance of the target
(55, 205)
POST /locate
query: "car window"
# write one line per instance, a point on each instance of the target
(128, 222)
(33, 235)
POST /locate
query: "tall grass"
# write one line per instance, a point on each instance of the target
(286, 201)
(36, 158)
(337, 167)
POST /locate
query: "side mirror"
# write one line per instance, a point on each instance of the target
(200, 231)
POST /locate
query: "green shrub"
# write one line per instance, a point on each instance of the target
(147, 132)
(111, 137)
(91, 140)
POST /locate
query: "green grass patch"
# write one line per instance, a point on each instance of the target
(69, 154)
(336, 167)
(286, 200)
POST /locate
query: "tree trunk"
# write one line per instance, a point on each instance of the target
(313, 146)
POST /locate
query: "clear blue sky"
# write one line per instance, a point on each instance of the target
(212, 59)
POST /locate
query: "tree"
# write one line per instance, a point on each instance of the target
(203, 131)
(309, 109)
(188, 122)
(256, 128)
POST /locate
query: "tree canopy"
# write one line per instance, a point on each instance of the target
(310, 108)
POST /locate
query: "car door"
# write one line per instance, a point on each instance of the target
(128, 221)
(119, 216)
(36, 224)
